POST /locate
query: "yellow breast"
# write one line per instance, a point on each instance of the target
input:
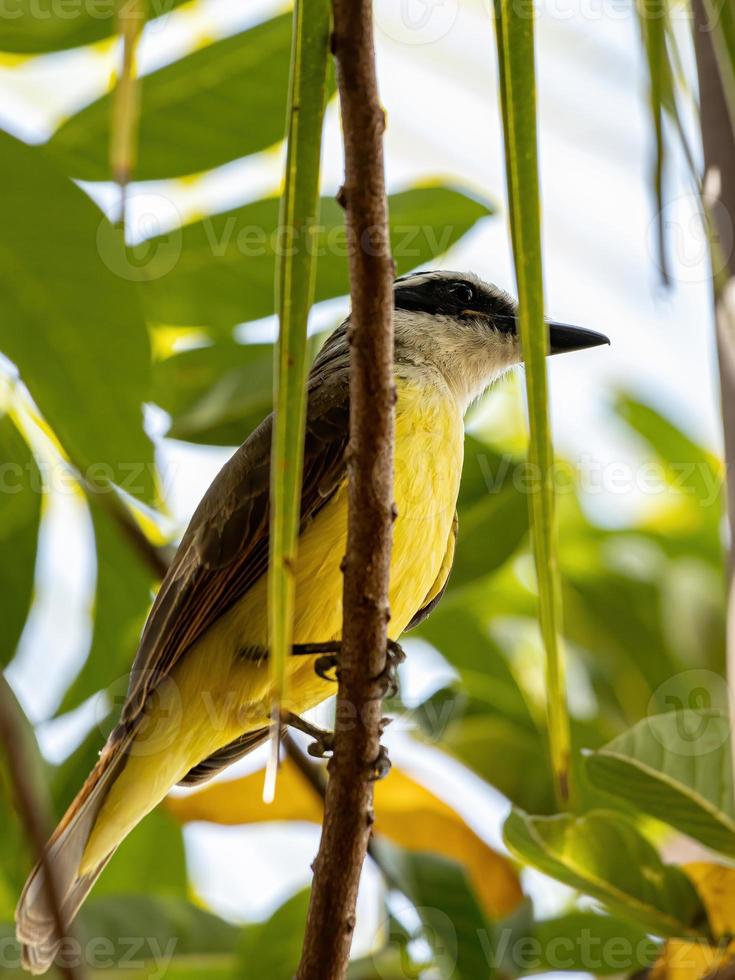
(216, 694)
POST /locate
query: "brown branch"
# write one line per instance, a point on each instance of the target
(718, 142)
(348, 815)
(32, 813)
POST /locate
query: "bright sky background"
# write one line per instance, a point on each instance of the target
(438, 83)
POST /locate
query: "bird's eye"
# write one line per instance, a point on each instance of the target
(463, 294)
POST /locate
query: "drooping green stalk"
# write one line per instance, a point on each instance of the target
(515, 43)
(295, 274)
(131, 16)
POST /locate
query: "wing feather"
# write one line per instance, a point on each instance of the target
(225, 548)
(437, 590)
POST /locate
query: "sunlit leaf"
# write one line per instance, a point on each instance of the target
(38, 26)
(686, 960)
(715, 884)
(675, 767)
(603, 855)
(224, 101)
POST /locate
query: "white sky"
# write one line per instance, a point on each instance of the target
(438, 83)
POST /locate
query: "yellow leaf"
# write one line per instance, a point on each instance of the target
(683, 959)
(406, 812)
(716, 886)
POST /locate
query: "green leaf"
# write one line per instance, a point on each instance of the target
(39, 26)
(452, 921)
(516, 59)
(275, 945)
(693, 471)
(123, 597)
(70, 324)
(222, 102)
(589, 942)
(216, 395)
(603, 855)
(508, 755)
(486, 676)
(295, 271)
(493, 513)
(157, 923)
(20, 514)
(675, 767)
(225, 270)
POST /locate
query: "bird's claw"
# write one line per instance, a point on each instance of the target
(322, 746)
(327, 664)
(381, 766)
(388, 677)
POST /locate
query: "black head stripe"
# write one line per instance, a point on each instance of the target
(454, 295)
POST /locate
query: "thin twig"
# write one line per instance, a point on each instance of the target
(348, 813)
(718, 141)
(32, 813)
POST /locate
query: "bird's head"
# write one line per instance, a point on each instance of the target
(466, 329)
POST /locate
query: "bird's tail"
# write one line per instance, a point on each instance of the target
(35, 923)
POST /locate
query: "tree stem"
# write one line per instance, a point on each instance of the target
(348, 815)
(718, 141)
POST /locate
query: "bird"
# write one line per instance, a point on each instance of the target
(199, 695)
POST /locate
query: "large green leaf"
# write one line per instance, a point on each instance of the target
(222, 102)
(71, 325)
(507, 754)
(675, 767)
(587, 942)
(487, 678)
(272, 948)
(215, 395)
(516, 61)
(38, 26)
(493, 513)
(225, 272)
(603, 855)
(123, 596)
(20, 513)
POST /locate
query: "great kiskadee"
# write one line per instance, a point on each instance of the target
(199, 695)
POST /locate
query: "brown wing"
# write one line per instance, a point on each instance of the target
(225, 548)
(437, 589)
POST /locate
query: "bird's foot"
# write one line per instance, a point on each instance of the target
(323, 743)
(327, 663)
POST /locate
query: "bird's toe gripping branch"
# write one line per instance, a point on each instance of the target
(327, 663)
(327, 667)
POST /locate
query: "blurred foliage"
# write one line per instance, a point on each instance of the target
(644, 619)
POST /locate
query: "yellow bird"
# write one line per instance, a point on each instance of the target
(199, 696)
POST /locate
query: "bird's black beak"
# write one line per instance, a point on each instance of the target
(563, 338)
